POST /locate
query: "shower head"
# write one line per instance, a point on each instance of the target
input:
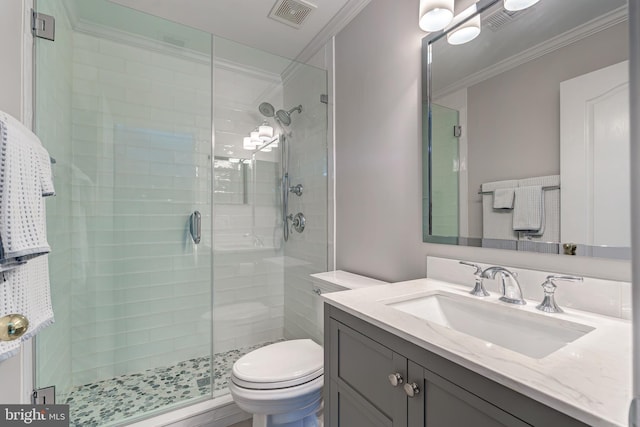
(266, 109)
(285, 116)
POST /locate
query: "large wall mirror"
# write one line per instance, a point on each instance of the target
(526, 130)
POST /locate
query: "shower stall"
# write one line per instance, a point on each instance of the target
(145, 120)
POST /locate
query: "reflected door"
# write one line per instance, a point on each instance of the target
(594, 156)
(444, 171)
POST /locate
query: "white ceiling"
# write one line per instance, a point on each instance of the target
(247, 22)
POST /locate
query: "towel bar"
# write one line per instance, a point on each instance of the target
(550, 187)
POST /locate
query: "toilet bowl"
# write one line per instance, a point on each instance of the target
(281, 384)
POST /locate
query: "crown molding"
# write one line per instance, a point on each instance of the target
(333, 27)
(574, 35)
(148, 44)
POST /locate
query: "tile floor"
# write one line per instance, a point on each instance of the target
(122, 397)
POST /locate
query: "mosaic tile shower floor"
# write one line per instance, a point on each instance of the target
(125, 396)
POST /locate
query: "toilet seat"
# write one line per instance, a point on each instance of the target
(280, 365)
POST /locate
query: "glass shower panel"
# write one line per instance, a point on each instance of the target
(306, 252)
(123, 104)
(251, 262)
(248, 270)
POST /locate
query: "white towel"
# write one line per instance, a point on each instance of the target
(528, 210)
(551, 207)
(496, 223)
(503, 198)
(25, 291)
(25, 177)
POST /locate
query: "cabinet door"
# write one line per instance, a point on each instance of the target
(360, 391)
(446, 405)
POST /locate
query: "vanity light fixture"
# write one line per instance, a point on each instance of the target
(515, 5)
(248, 143)
(468, 31)
(435, 14)
(265, 132)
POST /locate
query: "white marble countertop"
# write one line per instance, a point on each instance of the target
(588, 379)
(347, 280)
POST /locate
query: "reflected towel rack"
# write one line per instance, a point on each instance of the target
(550, 187)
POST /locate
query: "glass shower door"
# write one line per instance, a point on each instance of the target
(123, 104)
(445, 171)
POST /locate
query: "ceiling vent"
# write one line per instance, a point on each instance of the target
(292, 12)
(502, 17)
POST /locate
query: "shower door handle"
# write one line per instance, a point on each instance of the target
(195, 226)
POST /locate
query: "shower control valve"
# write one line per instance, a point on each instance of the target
(296, 189)
(298, 221)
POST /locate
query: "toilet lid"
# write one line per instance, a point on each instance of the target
(279, 365)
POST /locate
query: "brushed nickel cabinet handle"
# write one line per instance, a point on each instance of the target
(396, 379)
(411, 389)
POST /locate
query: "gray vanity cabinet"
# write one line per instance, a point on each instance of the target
(363, 362)
(361, 395)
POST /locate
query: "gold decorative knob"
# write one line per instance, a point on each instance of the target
(13, 326)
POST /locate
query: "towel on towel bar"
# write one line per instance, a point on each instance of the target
(25, 178)
(528, 210)
(503, 198)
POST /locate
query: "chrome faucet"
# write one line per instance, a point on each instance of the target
(511, 291)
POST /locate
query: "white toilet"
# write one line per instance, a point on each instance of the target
(281, 384)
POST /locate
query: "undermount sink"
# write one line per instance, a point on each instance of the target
(531, 334)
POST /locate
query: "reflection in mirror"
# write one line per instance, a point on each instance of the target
(527, 131)
(230, 180)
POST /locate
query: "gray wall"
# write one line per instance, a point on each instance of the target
(516, 115)
(378, 152)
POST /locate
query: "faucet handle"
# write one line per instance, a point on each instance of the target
(548, 304)
(478, 271)
(553, 277)
(478, 289)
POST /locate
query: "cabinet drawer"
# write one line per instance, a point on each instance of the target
(364, 366)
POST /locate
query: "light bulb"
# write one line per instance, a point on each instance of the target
(468, 31)
(265, 131)
(435, 14)
(247, 144)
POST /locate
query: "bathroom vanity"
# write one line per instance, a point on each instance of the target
(388, 363)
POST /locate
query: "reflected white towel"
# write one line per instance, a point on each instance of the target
(496, 223)
(503, 198)
(528, 210)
